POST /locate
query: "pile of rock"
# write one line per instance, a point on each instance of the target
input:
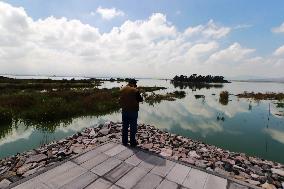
(253, 170)
(256, 171)
(22, 165)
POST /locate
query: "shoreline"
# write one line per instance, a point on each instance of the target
(239, 166)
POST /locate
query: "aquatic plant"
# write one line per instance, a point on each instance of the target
(157, 98)
(262, 96)
(280, 104)
(224, 97)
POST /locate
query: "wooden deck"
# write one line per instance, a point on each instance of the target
(114, 166)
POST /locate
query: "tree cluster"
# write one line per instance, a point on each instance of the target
(194, 78)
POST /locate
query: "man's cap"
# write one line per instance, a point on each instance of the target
(132, 81)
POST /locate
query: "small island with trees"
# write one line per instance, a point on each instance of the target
(194, 78)
(198, 81)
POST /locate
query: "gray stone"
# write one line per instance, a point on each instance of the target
(102, 139)
(106, 166)
(118, 172)
(77, 149)
(201, 163)
(104, 131)
(91, 163)
(188, 160)
(278, 171)
(24, 168)
(193, 154)
(238, 167)
(221, 171)
(3, 169)
(166, 184)
(268, 186)
(5, 183)
(150, 181)
(81, 181)
(253, 182)
(166, 152)
(214, 182)
(195, 179)
(178, 173)
(131, 178)
(30, 172)
(99, 184)
(36, 158)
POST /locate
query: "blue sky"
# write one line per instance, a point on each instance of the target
(250, 22)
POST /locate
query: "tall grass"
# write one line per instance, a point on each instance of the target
(56, 105)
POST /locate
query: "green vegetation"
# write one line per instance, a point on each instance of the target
(52, 106)
(10, 85)
(280, 104)
(224, 97)
(199, 96)
(46, 103)
(262, 96)
(157, 98)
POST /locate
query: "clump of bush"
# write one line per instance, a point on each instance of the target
(5, 117)
(224, 97)
(157, 98)
(262, 96)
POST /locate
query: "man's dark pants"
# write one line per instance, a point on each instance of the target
(129, 118)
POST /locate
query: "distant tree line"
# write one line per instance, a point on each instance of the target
(194, 78)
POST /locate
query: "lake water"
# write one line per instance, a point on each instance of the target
(242, 125)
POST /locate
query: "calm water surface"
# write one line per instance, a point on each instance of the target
(255, 128)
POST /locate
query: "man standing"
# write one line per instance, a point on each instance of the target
(129, 100)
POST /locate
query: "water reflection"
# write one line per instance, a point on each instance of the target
(275, 134)
(242, 125)
(195, 86)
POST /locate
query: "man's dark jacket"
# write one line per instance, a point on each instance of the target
(130, 98)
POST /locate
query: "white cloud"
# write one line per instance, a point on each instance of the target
(152, 47)
(279, 51)
(279, 29)
(210, 30)
(16, 134)
(108, 13)
(233, 53)
(242, 26)
(275, 134)
(178, 12)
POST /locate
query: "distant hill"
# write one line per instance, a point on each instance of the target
(279, 80)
